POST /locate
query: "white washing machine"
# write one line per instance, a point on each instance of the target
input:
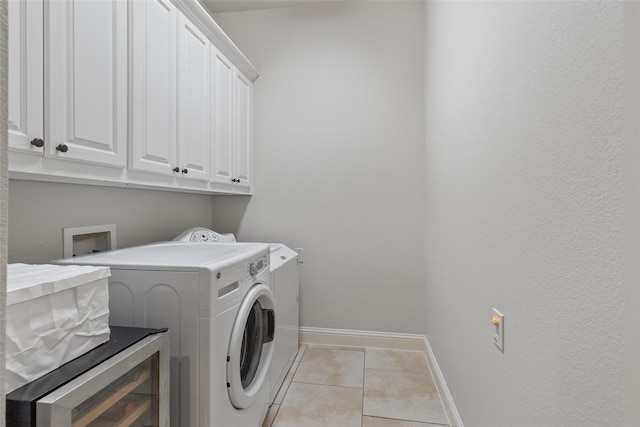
(284, 282)
(217, 303)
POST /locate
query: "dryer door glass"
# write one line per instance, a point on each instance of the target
(251, 345)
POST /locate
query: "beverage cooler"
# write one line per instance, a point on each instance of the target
(124, 382)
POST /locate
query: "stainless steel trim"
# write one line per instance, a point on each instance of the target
(54, 410)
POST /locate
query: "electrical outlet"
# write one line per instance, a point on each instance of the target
(498, 332)
(300, 251)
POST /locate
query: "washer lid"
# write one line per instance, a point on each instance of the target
(281, 254)
(173, 255)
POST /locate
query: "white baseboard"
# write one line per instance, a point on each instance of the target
(349, 338)
(441, 385)
(391, 341)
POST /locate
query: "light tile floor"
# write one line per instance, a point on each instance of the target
(359, 387)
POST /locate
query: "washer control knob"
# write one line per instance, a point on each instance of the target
(253, 268)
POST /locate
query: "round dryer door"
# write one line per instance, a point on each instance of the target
(250, 347)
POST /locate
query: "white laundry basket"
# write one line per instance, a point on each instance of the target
(54, 314)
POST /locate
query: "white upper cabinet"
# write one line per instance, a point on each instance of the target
(26, 108)
(86, 81)
(136, 93)
(154, 77)
(170, 114)
(232, 137)
(243, 129)
(222, 72)
(194, 119)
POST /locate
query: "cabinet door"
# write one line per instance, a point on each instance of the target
(222, 78)
(153, 117)
(86, 81)
(243, 127)
(26, 110)
(194, 150)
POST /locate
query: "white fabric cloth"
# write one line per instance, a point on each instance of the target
(54, 314)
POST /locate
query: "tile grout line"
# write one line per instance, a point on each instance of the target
(296, 362)
(293, 374)
(384, 367)
(426, 373)
(426, 423)
(364, 370)
(328, 385)
(437, 384)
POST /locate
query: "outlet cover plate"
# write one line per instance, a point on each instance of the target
(498, 333)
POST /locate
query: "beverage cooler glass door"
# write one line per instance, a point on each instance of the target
(129, 389)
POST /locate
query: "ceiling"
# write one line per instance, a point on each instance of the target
(222, 6)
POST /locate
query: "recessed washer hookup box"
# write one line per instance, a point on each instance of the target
(54, 314)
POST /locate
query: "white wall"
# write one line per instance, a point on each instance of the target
(632, 208)
(339, 146)
(525, 209)
(3, 197)
(38, 211)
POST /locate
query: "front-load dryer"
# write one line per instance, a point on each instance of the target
(285, 283)
(216, 301)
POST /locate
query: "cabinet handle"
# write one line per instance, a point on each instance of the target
(38, 142)
(176, 169)
(62, 148)
(185, 171)
(234, 180)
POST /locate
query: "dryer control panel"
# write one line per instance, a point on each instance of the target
(257, 266)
